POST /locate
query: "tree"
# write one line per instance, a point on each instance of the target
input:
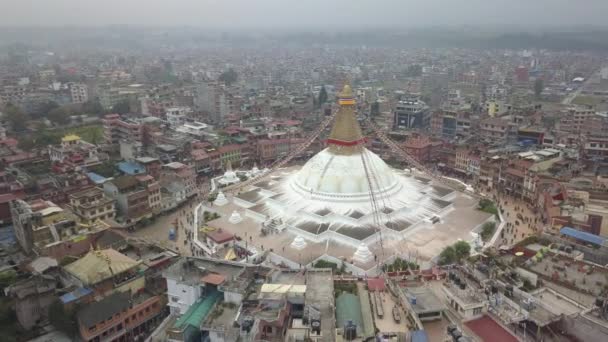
(322, 96)
(447, 256)
(454, 253)
(44, 109)
(539, 85)
(7, 278)
(93, 107)
(487, 230)
(122, 107)
(16, 117)
(228, 77)
(414, 70)
(462, 250)
(59, 116)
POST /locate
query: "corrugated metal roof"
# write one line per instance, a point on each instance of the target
(584, 236)
(198, 311)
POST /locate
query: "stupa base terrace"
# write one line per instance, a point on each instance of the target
(414, 219)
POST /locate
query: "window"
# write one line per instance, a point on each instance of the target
(477, 311)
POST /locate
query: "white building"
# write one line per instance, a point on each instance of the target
(176, 116)
(196, 129)
(79, 92)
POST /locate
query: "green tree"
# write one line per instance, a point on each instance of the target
(487, 230)
(63, 319)
(414, 70)
(7, 278)
(16, 117)
(228, 77)
(122, 107)
(447, 256)
(539, 86)
(59, 116)
(462, 250)
(93, 107)
(107, 169)
(44, 109)
(26, 143)
(322, 97)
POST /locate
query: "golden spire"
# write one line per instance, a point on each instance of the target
(346, 133)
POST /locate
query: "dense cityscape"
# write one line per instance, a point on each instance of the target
(197, 185)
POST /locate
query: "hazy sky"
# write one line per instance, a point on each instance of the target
(304, 13)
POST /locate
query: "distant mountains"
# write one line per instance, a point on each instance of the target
(582, 39)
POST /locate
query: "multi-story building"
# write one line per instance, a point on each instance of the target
(450, 124)
(40, 226)
(182, 173)
(214, 100)
(73, 151)
(152, 166)
(119, 317)
(421, 148)
(596, 148)
(576, 120)
(109, 97)
(132, 198)
(411, 114)
(91, 205)
(272, 149)
(116, 129)
(494, 129)
(177, 116)
(79, 92)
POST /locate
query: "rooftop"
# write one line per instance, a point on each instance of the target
(98, 265)
(425, 300)
(99, 311)
(198, 312)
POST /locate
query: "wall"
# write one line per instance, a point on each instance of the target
(233, 297)
(187, 295)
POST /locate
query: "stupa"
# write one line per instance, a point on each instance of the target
(346, 193)
(220, 200)
(363, 255)
(298, 243)
(346, 203)
(235, 218)
(229, 176)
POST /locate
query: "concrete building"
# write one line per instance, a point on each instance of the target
(119, 317)
(494, 129)
(115, 129)
(182, 173)
(39, 223)
(576, 119)
(411, 114)
(73, 151)
(79, 92)
(136, 197)
(33, 297)
(91, 205)
(177, 116)
(424, 303)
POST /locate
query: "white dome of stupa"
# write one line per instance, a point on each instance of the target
(220, 200)
(363, 254)
(298, 243)
(235, 218)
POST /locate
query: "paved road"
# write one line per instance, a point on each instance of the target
(570, 97)
(158, 232)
